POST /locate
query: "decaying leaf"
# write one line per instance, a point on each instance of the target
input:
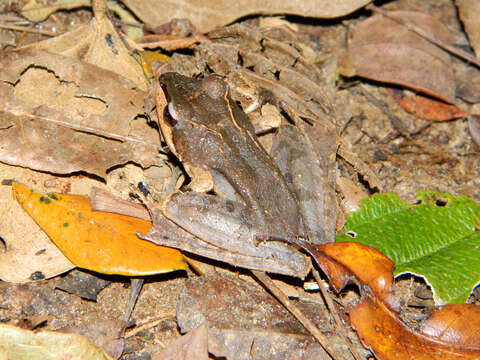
(82, 284)
(436, 239)
(385, 51)
(62, 115)
(20, 344)
(207, 15)
(102, 242)
(426, 108)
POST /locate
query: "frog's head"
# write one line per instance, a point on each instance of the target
(193, 109)
(192, 100)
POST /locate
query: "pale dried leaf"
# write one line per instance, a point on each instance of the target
(38, 12)
(106, 334)
(474, 127)
(20, 344)
(207, 15)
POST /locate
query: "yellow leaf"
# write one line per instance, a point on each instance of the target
(95, 240)
(147, 58)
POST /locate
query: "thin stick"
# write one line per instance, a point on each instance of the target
(290, 306)
(150, 324)
(336, 318)
(31, 30)
(89, 130)
(419, 31)
(135, 287)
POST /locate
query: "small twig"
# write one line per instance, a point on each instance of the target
(172, 44)
(361, 167)
(290, 306)
(336, 317)
(99, 9)
(31, 30)
(89, 130)
(135, 287)
(419, 31)
(149, 324)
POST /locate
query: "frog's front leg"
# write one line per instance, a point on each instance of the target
(220, 229)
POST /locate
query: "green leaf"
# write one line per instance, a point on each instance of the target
(438, 239)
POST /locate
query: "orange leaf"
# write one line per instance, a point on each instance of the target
(95, 240)
(390, 339)
(451, 332)
(341, 261)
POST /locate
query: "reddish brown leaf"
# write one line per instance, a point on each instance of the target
(383, 50)
(426, 108)
(390, 339)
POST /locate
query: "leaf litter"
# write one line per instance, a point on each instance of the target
(396, 160)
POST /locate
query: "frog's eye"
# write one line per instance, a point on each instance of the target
(169, 115)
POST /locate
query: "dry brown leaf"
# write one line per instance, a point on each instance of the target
(36, 12)
(385, 51)
(61, 115)
(207, 15)
(193, 346)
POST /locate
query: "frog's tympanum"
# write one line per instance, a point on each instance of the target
(214, 140)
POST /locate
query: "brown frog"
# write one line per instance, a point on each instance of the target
(213, 138)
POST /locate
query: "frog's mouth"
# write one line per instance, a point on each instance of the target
(170, 115)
